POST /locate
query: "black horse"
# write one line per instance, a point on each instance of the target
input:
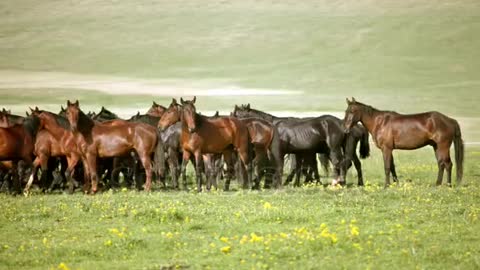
(324, 134)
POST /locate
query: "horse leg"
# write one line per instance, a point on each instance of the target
(387, 162)
(16, 179)
(227, 157)
(293, 167)
(173, 164)
(298, 170)
(324, 161)
(358, 167)
(207, 164)
(93, 173)
(392, 169)
(444, 163)
(36, 165)
(186, 159)
(72, 161)
(147, 165)
(198, 170)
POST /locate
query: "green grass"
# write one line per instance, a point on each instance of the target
(411, 225)
(408, 56)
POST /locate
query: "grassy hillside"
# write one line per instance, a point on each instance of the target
(403, 55)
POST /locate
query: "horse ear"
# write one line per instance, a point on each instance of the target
(348, 101)
(248, 106)
(174, 101)
(68, 103)
(76, 103)
(182, 101)
(138, 113)
(36, 109)
(61, 108)
(217, 114)
(353, 100)
(26, 112)
(32, 110)
(236, 107)
(154, 104)
(194, 99)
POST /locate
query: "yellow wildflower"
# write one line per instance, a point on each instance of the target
(226, 249)
(267, 205)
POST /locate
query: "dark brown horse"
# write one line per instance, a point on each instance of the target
(204, 135)
(55, 140)
(156, 110)
(17, 144)
(99, 140)
(391, 130)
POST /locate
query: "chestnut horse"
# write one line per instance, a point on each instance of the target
(17, 144)
(100, 140)
(156, 110)
(391, 130)
(59, 141)
(204, 135)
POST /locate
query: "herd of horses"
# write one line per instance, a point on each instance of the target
(62, 150)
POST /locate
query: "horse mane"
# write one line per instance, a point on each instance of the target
(85, 124)
(107, 113)
(370, 109)
(31, 125)
(261, 114)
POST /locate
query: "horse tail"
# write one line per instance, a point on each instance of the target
(159, 156)
(459, 152)
(364, 144)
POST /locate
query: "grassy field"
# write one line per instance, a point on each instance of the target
(409, 56)
(412, 225)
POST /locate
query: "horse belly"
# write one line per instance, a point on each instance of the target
(410, 138)
(113, 147)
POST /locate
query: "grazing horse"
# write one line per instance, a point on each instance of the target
(391, 130)
(204, 135)
(99, 140)
(17, 144)
(156, 110)
(57, 141)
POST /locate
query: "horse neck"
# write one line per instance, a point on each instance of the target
(263, 115)
(54, 128)
(368, 119)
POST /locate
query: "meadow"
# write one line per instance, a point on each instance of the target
(408, 56)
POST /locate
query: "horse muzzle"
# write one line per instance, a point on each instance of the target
(192, 130)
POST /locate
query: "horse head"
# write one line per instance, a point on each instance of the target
(170, 116)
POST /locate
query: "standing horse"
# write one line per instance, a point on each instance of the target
(57, 141)
(17, 144)
(391, 130)
(306, 136)
(99, 140)
(156, 110)
(203, 135)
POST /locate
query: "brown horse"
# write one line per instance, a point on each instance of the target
(391, 130)
(204, 135)
(99, 140)
(55, 140)
(156, 110)
(17, 144)
(266, 145)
